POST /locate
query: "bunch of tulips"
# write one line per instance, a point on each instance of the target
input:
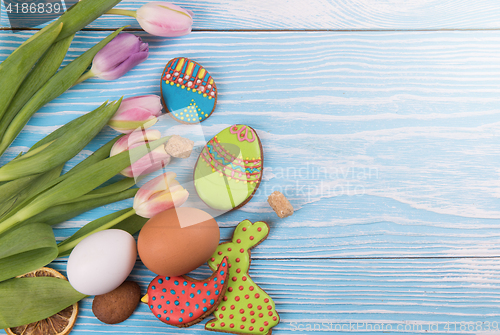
(34, 194)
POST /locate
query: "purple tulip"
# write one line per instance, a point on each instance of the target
(120, 55)
(164, 19)
(136, 112)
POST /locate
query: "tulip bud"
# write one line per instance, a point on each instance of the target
(136, 112)
(150, 161)
(119, 56)
(164, 19)
(158, 195)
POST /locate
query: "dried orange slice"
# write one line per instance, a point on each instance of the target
(58, 324)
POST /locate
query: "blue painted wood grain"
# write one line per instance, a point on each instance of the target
(396, 122)
(395, 295)
(374, 147)
(324, 14)
(385, 142)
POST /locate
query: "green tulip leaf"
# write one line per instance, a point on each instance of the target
(97, 156)
(81, 14)
(45, 68)
(62, 148)
(71, 126)
(54, 87)
(14, 69)
(88, 229)
(35, 186)
(131, 225)
(27, 300)
(116, 187)
(25, 249)
(13, 187)
(100, 154)
(61, 213)
(80, 183)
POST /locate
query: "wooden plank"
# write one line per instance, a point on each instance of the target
(311, 296)
(324, 15)
(324, 230)
(385, 142)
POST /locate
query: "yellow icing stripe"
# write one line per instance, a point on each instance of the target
(190, 67)
(180, 64)
(201, 73)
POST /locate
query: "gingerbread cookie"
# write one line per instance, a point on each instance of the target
(245, 308)
(118, 305)
(188, 92)
(183, 301)
(229, 168)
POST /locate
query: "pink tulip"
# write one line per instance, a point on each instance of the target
(150, 162)
(158, 195)
(136, 113)
(164, 19)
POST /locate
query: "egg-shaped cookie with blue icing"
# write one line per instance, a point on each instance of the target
(229, 168)
(188, 91)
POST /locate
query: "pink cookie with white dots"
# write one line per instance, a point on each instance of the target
(245, 307)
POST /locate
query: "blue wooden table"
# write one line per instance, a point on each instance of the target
(380, 121)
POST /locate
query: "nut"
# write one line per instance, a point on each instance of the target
(117, 305)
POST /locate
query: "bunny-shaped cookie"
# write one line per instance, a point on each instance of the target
(245, 308)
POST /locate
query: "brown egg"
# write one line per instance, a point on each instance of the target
(177, 241)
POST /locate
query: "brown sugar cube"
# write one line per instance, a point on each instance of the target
(280, 204)
(179, 147)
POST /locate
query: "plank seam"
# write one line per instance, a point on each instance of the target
(282, 30)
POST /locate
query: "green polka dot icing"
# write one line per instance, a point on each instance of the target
(245, 307)
(229, 168)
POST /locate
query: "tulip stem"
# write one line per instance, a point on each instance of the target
(125, 12)
(72, 244)
(85, 76)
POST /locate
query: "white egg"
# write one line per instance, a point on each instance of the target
(102, 261)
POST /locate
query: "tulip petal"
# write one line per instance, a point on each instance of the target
(151, 162)
(164, 19)
(172, 186)
(127, 121)
(150, 102)
(135, 138)
(117, 51)
(132, 114)
(121, 68)
(142, 136)
(120, 55)
(148, 161)
(126, 127)
(136, 112)
(161, 203)
(154, 186)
